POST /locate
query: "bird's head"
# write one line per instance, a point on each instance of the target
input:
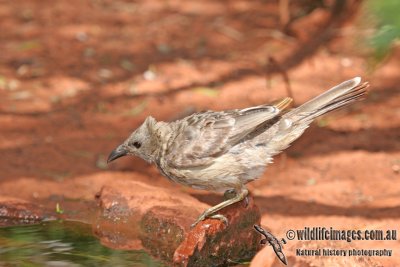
(140, 143)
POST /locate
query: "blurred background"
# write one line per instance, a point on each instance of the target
(76, 77)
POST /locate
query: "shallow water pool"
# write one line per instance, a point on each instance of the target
(62, 243)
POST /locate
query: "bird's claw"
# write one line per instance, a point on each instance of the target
(203, 216)
(220, 217)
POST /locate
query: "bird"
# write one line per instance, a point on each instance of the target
(222, 151)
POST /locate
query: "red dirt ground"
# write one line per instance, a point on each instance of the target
(76, 79)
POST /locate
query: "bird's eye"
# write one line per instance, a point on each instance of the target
(137, 144)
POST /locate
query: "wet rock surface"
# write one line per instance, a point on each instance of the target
(15, 211)
(160, 223)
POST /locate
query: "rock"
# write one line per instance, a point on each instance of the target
(135, 215)
(16, 211)
(132, 213)
(212, 243)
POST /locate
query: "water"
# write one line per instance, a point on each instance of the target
(62, 244)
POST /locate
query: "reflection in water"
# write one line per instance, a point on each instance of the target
(58, 243)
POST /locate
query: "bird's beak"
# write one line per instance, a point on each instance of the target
(117, 153)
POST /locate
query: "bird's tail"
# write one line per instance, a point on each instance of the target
(294, 122)
(335, 98)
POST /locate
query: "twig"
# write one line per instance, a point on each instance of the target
(274, 66)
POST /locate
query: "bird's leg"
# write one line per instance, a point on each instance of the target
(231, 193)
(209, 213)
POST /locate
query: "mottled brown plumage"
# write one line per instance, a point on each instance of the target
(224, 150)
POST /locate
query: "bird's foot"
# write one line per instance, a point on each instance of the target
(205, 215)
(220, 217)
(210, 213)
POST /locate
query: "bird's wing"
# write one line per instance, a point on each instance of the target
(204, 136)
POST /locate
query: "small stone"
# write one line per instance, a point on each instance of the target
(23, 70)
(89, 52)
(346, 62)
(13, 85)
(22, 95)
(132, 89)
(126, 64)
(70, 92)
(311, 181)
(149, 75)
(105, 73)
(101, 162)
(396, 168)
(81, 36)
(55, 99)
(164, 49)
